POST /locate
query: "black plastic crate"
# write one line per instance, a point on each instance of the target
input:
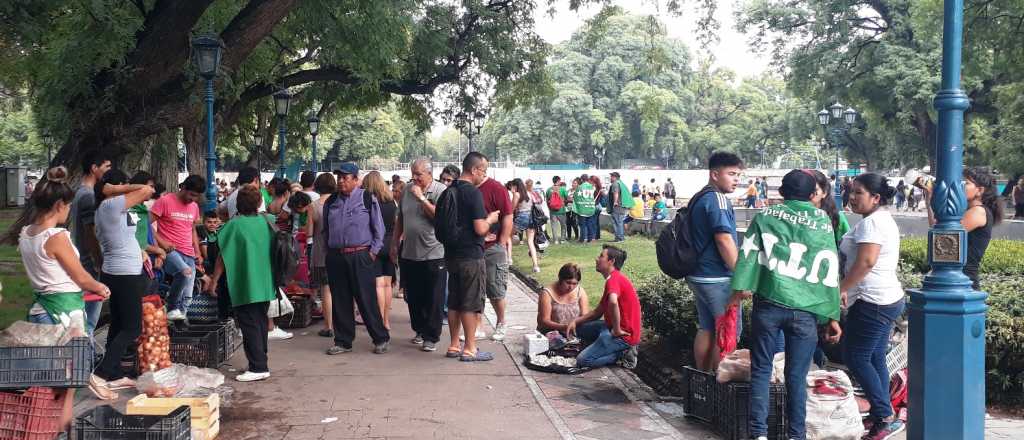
(699, 392)
(303, 315)
(227, 335)
(732, 410)
(106, 423)
(62, 366)
(198, 348)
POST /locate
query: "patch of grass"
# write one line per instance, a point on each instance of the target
(641, 263)
(18, 297)
(7, 253)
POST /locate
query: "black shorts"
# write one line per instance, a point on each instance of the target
(385, 267)
(467, 280)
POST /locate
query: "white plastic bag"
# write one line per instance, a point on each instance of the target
(179, 381)
(831, 409)
(736, 367)
(280, 306)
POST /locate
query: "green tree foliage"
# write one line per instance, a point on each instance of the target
(883, 57)
(111, 75)
(19, 143)
(622, 89)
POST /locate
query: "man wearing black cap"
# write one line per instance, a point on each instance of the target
(789, 262)
(355, 235)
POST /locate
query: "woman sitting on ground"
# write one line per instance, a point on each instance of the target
(562, 302)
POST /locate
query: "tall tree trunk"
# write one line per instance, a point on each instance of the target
(164, 164)
(195, 149)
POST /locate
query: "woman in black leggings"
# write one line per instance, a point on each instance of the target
(122, 269)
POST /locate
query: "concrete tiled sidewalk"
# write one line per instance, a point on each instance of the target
(412, 394)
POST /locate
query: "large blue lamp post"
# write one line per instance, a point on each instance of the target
(314, 125)
(206, 53)
(947, 317)
(282, 100)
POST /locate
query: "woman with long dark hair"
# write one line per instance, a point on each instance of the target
(51, 262)
(600, 200)
(874, 296)
(824, 200)
(122, 270)
(523, 206)
(984, 210)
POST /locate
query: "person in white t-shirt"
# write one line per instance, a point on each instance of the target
(873, 295)
(246, 176)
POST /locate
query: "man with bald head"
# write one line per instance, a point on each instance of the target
(422, 256)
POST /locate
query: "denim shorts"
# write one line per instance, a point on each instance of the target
(521, 221)
(712, 299)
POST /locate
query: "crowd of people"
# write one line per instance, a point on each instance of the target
(445, 246)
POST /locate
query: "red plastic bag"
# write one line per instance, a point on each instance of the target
(725, 331)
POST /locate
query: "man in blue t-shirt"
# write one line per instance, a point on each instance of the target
(713, 228)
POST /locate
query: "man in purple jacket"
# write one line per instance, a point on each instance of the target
(354, 234)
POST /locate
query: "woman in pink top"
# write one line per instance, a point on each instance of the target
(175, 216)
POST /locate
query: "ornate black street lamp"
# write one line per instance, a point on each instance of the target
(836, 123)
(282, 101)
(314, 126)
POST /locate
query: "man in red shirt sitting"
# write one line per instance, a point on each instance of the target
(611, 331)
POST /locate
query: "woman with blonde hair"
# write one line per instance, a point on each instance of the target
(374, 183)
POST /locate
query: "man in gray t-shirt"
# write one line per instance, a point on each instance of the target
(422, 256)
(83, 210)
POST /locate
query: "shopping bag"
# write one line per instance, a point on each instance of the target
(832, 412)
(280, 306)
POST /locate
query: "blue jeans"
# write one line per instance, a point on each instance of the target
(585, 228)
(619, 225)
(865, 344)
(92, 316)
(801, 333)
(602, 348)
(180, 294)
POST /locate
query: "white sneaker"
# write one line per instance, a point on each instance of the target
(278, 334)
(175, 315)
(480, 334)
(249, 376)
(499, 332)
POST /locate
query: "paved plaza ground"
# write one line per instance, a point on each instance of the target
(411, 394)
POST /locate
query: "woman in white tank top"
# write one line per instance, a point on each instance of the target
(51, 261)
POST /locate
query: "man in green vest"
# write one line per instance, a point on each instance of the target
(583, 205)
(619, 203)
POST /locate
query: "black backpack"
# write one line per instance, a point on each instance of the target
(284, 254)
(677, 256)
(447, 228)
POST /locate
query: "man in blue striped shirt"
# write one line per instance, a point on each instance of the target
(355, 235)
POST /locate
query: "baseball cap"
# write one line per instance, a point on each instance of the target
(349, 168)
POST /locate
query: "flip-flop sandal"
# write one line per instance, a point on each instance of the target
(481, 356)
(453, 353)
(123, 383)
(102, 393)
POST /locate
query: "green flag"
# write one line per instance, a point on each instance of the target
(789, 257)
